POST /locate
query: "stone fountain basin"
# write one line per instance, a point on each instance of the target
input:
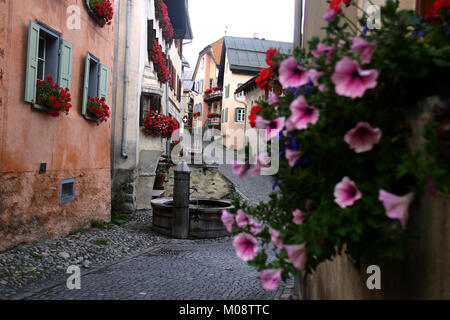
(204, 217)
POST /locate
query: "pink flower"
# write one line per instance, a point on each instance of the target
(292, 156)
(330, 15)
(350, 80)
(262, 162)
(299, 216)
(292, 74)
(314, 75)
(276, 238)
(366, 49)
(255, 227)
(241, 219)
(396, 206)
(246, 246)
(273, 126)
(270, 279)
(240, 169)
(228, 220)
(346, 193)
(274, 99)
(363, 137)
(297, 255)
(322, 48)
(301, 115)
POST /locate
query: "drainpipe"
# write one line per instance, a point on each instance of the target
(167, 97)
(126, 82)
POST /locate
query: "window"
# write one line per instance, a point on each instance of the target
(47, 55)
(209, 108)
(211, 83)
(202, 64)
(95, 81)
(239, 115)
(242, 93)
(148, 102)
(67, 190)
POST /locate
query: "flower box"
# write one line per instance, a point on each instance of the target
(101, 11)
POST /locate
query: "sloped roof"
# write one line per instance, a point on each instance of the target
(249, 54)
(216, 49)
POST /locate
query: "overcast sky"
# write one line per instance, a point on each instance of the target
(269, 19)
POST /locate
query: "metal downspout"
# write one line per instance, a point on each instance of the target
(126, 82)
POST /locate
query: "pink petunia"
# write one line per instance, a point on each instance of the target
(273, 127)
(297, 255)
(292, 74)
(363, 137)
(301, 115)
(274, 99)
(276, 238)
(246, 246)
(262, 162)
(366, 49)
(396, 206)
(314, 75)
(228, 220)
(242, 219)
(299, 216)
(270, 279)
(255, 227)
(240, 169)
(330, 15)
(346, 193)
(350, 81)
(292, 156)
(322, 48)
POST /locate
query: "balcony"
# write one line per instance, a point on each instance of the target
(214, 120)
(213, 95)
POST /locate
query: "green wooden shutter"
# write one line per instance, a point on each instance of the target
(226, 115)
(32, 62)
(65, 64)
(86, 84)
(103, 82)
(227, 91)
(236, 114)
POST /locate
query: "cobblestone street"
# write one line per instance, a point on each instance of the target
(174, 270)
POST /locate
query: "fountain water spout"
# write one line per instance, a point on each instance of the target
(181, 187)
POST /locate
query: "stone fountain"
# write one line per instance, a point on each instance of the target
(180, 216)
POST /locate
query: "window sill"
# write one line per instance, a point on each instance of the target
(89, 118)
(39, 107)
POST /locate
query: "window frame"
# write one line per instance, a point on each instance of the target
(240, 94)
(239, 111)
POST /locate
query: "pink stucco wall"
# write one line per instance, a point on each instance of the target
(71, 146)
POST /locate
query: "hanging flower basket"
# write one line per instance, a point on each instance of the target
(348, 174)
(51, 98)
(97, 110)
(101, 10)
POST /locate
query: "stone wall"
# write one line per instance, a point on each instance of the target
(30, 208)
(208, 181)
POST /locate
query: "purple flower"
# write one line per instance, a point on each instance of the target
(322, 48)
(276, 238)
(228, 220)
(350, 80)
(262, 162)
(346, 193)
(363, 137)
(396, 206)
(292, 156)
(292, 74)
(241, 219)
(256, 227)
(274, 99)
(297, 255)
(299, 216)
(366, 49)
(270, 279)
(330, 15)
(301, 115)
(246, 246)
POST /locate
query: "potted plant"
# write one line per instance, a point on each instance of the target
(97, 110)
(349, 173)
(161, 172)
(101, 10)
(52, 98)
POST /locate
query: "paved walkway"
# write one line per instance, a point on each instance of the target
(176, 270)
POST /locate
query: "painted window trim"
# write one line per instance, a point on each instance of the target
(31, 71)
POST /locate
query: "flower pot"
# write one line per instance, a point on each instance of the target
(159, 181)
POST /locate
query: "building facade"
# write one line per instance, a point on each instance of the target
(242, 59)
(138, 88)
(54, 170)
